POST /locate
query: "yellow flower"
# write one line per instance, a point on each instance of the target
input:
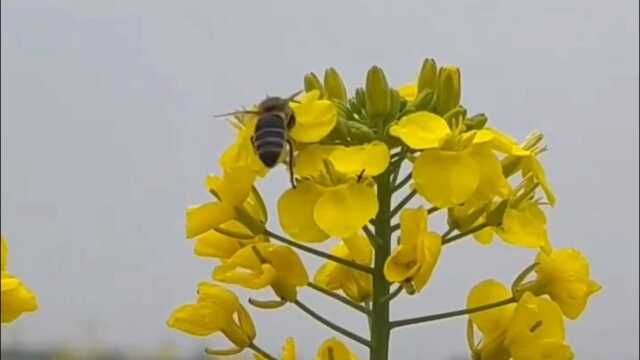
(337, 197)
(265, 264)
(525, 225)
(216, 309)
(564, 276)
(315, 118)
(408, 92)
(532, 329)
(333, 349)
(215, 244)
(288, 351)
(242, 153)
(417, 254)
(234, 198)
(357, 285)
(454, 167)
(15, 298)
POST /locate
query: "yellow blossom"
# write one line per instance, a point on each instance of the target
(525, 225)
(408, 92)
(265, 264)
(242, 153)
(233, 193)
(453, 167)
(532, 329)
(417, 254)
(288, 351)
(564, 276)
(315, 118)
(358, 286)
(16, 298)
(336, 197)
(333, 349)
(216, 309)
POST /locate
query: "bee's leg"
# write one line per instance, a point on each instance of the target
(291, 176)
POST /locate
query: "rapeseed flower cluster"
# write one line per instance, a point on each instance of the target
(358, 162)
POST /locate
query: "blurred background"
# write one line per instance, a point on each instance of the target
(107, 135)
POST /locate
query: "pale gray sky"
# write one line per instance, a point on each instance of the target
(107, 135)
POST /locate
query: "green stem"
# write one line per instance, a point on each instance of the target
(450, 314)
(260, 351)
(340, 298)
(392, 295)
(322, 254)
(402, 182)
(402, 203)
(448, 240)
(331, 325)
(380, 328)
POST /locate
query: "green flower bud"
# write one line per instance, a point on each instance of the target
(311, 82)
(360, 132)
(458, 112)
(377, 92)
(424, 100)
(448, 89)
(427, 79)
(476, 122)
(334, 85)
(361, 98)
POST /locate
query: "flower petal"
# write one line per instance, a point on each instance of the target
(216, 245)
(15, 299)
(314, 118)
(372, 159)
(446, 178)
(207, 216)
(525, 227)
(408, 92)
(310, 160)
(296, 212)
(494, 321)
(359, 247)
(429, 251)
(198, 319)
(345, 209)
(421, 130)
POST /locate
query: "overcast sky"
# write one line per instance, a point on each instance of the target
(107, 135)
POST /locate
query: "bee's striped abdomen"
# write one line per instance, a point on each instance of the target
(269, 138)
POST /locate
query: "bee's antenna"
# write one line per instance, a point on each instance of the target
(293, 96)
(241, 112)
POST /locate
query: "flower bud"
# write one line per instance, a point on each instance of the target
(448, 89)
(334, 85)
(311, 82)
(476, 122)
(378, 96)
(424, 100)
(428, 75)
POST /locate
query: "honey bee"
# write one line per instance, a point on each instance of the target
(275, 120)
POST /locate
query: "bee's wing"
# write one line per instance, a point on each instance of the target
(293, 96)
(240, 112)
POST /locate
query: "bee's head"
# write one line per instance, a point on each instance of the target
(273, 103)
(276, 103)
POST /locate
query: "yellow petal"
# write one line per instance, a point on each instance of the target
(236, 185)
(15, 299)
(536, 320)
(246, 323)
(333, 349)
(359, 247)
(525, 227)
(289, 349)
(492, 182)
(241, 152)
(408, 92)
(289, 266)
(4, 252)
(314, 118)
(499, 142)
(446, 178)
(421, 130)
(564, 275)
(345, 209)
(429, 253)
(216, 245)
(491, 322)
(404, 260)
(198, 319)
(207, 216)
(296, 212)
(245, 277)
(532, 165)
(219, 296)
(309, 161)
(372, 159)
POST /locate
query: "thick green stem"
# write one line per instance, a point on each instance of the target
(380, 326)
